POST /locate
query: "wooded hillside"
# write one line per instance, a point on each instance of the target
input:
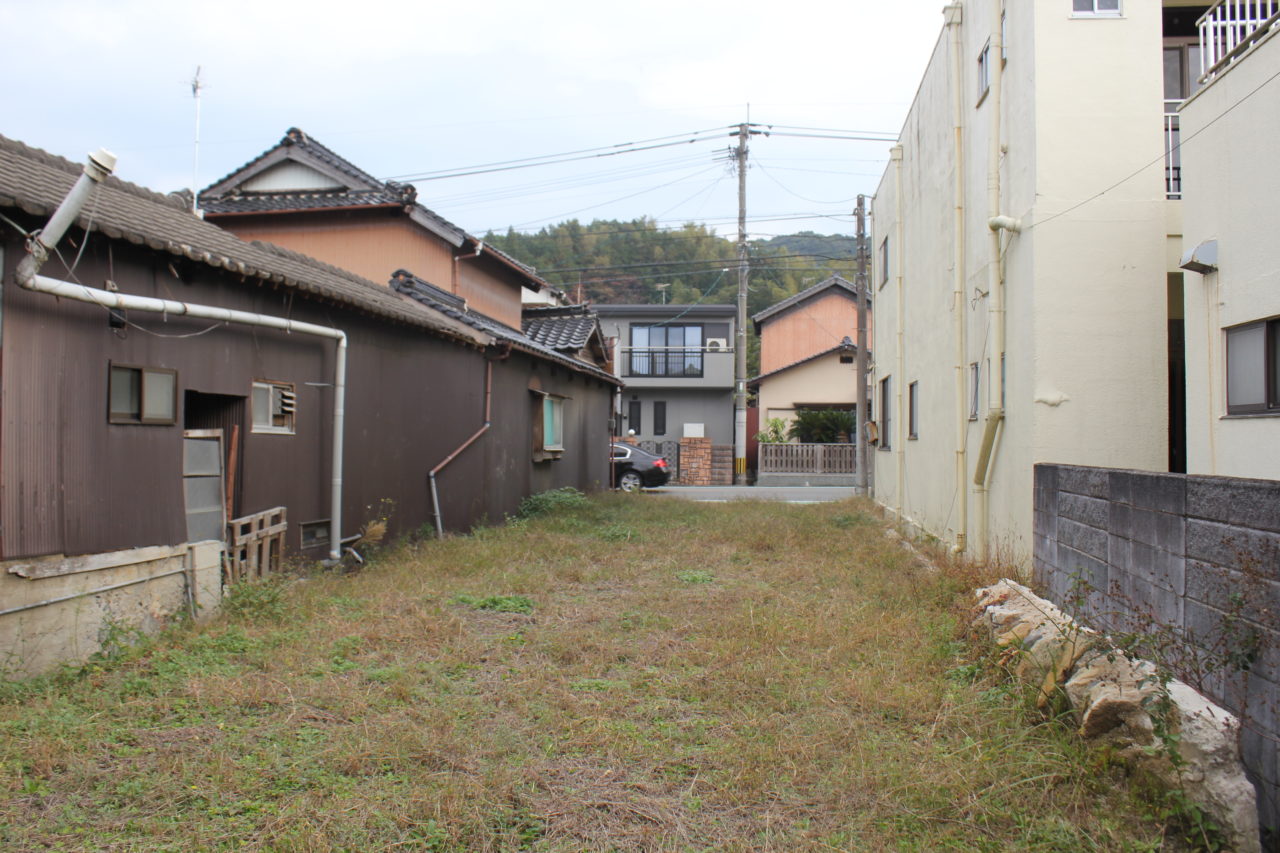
(608, 261)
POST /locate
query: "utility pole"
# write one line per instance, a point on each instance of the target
(860, 441)
(744, 131)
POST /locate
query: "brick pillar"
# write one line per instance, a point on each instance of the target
(695, 462)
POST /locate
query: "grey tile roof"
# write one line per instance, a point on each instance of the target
(410, 285)
(223, 197)
(834, 281)
(36, 182)
(272, 202)
(567, 328)
(295, 137)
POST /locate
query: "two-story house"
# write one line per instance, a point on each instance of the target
(807, 351)
(677, 363)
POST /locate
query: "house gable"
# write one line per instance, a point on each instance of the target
(290, 175)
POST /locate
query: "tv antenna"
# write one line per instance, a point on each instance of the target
(196, 86)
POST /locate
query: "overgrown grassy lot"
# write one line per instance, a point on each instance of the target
(634, 673)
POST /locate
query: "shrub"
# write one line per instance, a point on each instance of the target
(554, 500)
(821, 426)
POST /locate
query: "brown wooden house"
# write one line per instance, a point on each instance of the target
(124, 432)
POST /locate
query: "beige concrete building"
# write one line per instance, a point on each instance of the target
(1232, 293)
(1026, 243)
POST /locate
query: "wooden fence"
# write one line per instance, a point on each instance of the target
(806, 458)
(257, 544)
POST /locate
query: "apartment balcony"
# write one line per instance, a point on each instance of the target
(1225, 33)
(712, 365)
(1230, 28)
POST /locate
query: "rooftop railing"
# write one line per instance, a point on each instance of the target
(1230, 28)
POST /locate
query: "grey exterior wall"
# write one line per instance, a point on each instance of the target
(706, 399)
(1194, 559)
(713, 408)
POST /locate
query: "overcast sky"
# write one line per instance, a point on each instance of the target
(404, 88)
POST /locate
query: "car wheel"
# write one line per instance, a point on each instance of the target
(629, 481)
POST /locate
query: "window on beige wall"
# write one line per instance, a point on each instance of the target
(1095, 8)
(913, 410)
(1253, 368)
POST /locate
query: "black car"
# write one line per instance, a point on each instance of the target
(634, 468)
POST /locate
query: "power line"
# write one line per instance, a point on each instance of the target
(616, 200)
(1163, 154)
(566, 157)
(788, 189)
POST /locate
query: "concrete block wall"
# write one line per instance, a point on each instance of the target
(1132, 550)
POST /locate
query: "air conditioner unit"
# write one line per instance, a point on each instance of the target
(717, 344)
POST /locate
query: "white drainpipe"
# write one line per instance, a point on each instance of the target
(954, 18)
(900, 438)
(97, 169)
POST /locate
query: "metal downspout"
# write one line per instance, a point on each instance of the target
(895, 154)
(995, 410)
(38, 249)
(954, 18)
(431, 475)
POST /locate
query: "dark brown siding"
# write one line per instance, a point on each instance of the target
(72, 483)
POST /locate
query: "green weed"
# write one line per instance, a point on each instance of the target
(497, 603)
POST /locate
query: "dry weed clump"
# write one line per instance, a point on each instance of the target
(744, 676)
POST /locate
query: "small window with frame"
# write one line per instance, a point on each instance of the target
(1253, 368)
(886, 403)
(142, 395)
(274, 407)
(1095, 8)
(547, 419)
(975, 390)
(552, 423)
(984, 71)
(913, 410)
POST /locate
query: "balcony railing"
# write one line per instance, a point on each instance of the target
(1230, 28)
(1172, 151)
(806, 458)
(666, 362)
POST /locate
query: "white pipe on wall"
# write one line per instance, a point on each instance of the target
(996, 222)
(954, 18)
(895, 154)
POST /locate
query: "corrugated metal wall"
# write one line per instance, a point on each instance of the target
(72, 483)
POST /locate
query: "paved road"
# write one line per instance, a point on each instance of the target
(786, 494)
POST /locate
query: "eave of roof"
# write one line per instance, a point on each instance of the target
(836, 281)
(415, 288)
(220, 198)
(850, 348)
(36, 182)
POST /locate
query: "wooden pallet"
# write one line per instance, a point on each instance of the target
(257, 544)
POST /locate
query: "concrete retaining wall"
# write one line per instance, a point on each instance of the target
(1194, 561)
(64, 609)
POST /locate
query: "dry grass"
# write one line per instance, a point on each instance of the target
(690, 677)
